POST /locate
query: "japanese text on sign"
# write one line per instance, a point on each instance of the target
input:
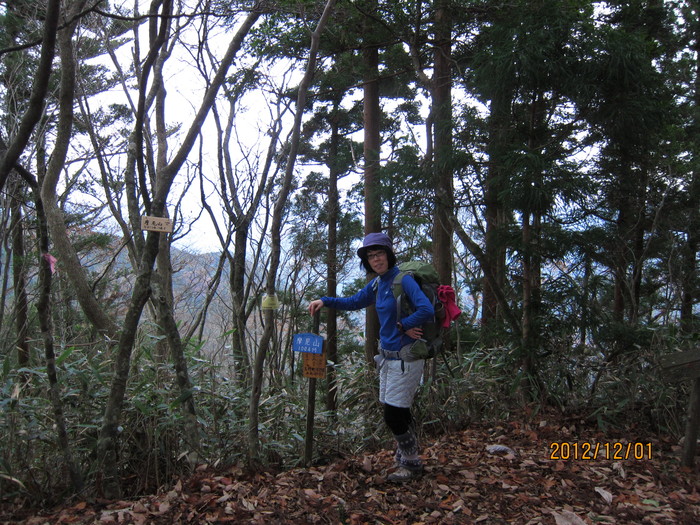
(310, 343)
(314, 365)
(156, 224)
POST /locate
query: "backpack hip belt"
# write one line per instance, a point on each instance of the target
(390, 355)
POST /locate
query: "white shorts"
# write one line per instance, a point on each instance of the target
(397, 385)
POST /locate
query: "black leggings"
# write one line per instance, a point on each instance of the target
(397, 419)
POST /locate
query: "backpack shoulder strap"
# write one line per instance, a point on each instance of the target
(396, 286)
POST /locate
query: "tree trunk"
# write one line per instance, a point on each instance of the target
(44, 314)
(35, 108)
(691, 280)
(627, 202)
(531, 252)
(6, 262)
(530, 333)
(688, 322)
(19, 277)
(372, 146)
(638, 245)
(237, 286)
(166, 321)
(495, 213)
(442, 155)
(586, 295)
(332, 263)
(526, 324)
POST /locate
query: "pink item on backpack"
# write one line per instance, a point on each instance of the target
(446, 294)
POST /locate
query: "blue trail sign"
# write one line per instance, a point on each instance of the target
(310, 343)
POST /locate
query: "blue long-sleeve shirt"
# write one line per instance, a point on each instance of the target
(391, 338)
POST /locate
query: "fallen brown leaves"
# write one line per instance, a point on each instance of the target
(486, 474)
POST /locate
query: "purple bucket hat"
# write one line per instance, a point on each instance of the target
(375, 239)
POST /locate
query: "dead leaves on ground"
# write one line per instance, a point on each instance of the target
(489, 474)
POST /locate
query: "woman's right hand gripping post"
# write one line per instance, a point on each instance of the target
(315, 306)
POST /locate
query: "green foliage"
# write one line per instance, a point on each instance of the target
(358, 423)
(27, 424)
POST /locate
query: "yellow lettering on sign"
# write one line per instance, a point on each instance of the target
(314, 365)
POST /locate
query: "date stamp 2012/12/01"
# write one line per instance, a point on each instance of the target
(564, 450)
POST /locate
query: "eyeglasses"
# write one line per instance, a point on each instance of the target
(375, 255)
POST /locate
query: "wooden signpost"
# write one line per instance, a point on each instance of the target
(156, 224)
(680, 366)
(313, 350)
(313, 354)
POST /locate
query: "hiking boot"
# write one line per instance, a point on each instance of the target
(402, 475)
(397, 458)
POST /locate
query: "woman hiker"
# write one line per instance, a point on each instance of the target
(399, 373)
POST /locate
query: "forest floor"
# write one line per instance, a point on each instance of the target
(490, 474)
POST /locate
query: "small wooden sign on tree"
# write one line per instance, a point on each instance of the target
(156, 224)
